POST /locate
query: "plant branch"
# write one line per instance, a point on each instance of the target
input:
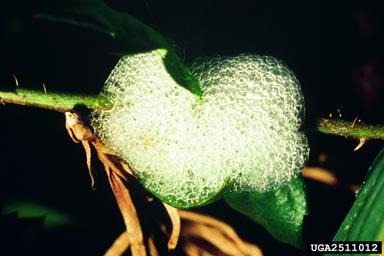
(350, 129)
(63, 102)
(60, 102)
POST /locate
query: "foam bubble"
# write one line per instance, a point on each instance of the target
(244, 131)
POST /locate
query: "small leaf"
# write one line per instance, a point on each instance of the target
(129, 35)
(280, 211)
(365, 220)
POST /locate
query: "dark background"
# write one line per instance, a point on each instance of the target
(334, 47)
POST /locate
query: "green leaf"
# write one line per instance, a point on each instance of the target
(365, 220)
(129, 35)
(281, 211)
(52, 218)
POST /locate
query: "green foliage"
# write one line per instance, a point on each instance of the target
(24, 209)
(129, 35)
(365, 220)
(280, 211)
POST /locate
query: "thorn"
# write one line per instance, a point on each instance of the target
(44, 88)
(338, 111)
(354, 122)
(16, 81)
(362, 141)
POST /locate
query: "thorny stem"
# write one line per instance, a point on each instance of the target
(353, 129)
(63, 102)
(60, 102)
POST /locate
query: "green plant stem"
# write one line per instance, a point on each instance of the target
(60, 102)
(350, 129)
(63, 102)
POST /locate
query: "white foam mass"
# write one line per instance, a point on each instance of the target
(243, 132)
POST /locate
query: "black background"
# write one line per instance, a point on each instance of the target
(335, 49)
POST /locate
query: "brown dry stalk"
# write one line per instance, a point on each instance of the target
(217, 233)
(196, 234)
(120, 245)
(128, 210)
(175, 219)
